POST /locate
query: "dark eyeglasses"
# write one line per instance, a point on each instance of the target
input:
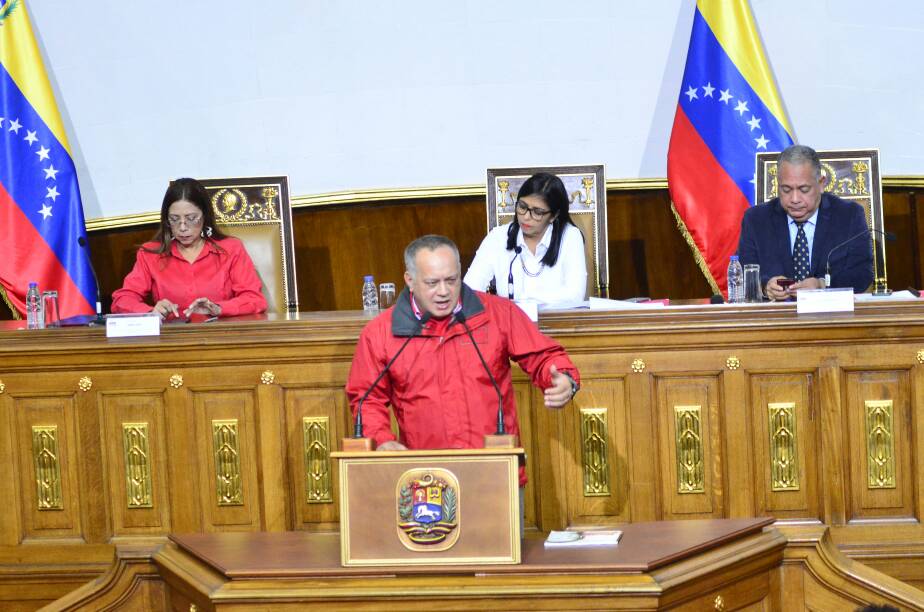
(538, 214)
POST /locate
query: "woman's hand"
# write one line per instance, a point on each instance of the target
(204, 306)
(165, 308)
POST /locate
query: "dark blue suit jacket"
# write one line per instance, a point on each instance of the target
(765, 241)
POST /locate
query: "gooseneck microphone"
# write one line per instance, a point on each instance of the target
(889, 236)
(358, 423)
(99, 320)
(517, 249)
(501, 430)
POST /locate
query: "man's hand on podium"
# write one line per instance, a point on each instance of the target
(561, 391)
(391, 445)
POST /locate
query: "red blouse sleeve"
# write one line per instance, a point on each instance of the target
(135, 289)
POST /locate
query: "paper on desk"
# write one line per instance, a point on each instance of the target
(900, 296)
(580, 539)
(605, 304)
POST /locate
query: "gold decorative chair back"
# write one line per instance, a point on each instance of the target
(586, 187)
(256, 211)
(853, 174)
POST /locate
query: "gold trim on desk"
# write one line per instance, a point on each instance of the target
(367, 196)
(138, 493)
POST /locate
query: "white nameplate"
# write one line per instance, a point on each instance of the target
(824, 300)
(127, 325)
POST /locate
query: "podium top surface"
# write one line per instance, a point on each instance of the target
(428, 453)
(298, 554)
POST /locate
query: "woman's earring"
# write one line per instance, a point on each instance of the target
(208, 231)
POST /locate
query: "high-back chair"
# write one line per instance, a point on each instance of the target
(256, 210)
(853, 174)
(586, 187)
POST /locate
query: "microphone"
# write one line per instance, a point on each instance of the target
(889, 236)
(99, 320)
(358, 423)
(460, 317)
(518, 249)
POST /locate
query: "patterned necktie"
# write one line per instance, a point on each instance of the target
(800, 254)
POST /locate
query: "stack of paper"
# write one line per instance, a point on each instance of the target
(577, 539)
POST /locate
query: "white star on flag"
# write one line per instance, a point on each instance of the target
(42, 153)
(754, 123)
(742, 107)
(50, 172)
(1, 121)
(30, 137)
(761, 142)
(46, 211)
(53, 193)
(691, 92)
(15, 125)
(708, 89)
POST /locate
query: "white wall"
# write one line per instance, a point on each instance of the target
(406, 93)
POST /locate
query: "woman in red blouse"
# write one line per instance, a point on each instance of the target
(190, 267)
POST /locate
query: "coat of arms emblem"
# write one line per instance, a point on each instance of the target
(428, 509)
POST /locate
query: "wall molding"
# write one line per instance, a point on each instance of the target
(373, 196)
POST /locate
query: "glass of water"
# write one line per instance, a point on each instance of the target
(752, 290)
(386, 295)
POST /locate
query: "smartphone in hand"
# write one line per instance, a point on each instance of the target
(785, 283)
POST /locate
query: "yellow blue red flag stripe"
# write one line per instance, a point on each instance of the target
(41, 214)
(728, 110)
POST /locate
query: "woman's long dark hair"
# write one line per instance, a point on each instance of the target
(550, 188)
(192, 191)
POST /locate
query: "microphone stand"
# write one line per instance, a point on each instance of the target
(359, 442)
(99, 320)
(500, 438)
(880, 288)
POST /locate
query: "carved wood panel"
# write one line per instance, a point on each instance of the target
(315, 425)
(47, 465)
(879, 428)
(690, 448)
(785, 446)
(135, 462)
(597, 475)
(226, 444)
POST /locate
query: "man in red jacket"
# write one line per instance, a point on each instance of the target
(439, 390)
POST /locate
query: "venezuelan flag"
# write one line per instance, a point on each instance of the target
(729, 110)
(42, 230)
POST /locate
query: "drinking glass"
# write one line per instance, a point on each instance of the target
(386, 295)
(50, 309)
(752, 292)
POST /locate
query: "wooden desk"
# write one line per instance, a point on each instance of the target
(687, 413)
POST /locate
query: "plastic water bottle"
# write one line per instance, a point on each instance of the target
(735, 281)
(370, 295)
(34, 307)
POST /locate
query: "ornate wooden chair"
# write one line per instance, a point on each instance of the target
(256, 210)
(586, 186)
(853, 174)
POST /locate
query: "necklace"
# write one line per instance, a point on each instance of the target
(531, 274)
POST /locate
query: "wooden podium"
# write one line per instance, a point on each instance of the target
(430, 508)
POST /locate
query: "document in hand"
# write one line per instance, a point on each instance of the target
(579, 539)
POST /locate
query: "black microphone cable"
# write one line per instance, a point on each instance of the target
(517, 249)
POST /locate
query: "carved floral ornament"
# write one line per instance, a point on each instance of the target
(732, 363)
(638, 366)
(176, 381)
(921, 356)
(85, 383)
(2, 387)
(268, 377)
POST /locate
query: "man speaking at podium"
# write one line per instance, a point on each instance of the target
(450, 383)
(805, 231)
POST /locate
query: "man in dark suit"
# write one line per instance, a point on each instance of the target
(793, 235)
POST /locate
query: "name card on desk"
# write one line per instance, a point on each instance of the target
(128, 325)
(824, 300)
